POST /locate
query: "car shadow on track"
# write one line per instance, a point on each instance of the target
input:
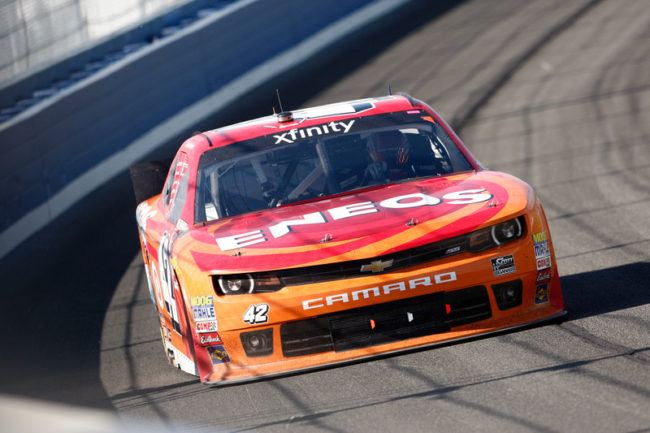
(603, 291)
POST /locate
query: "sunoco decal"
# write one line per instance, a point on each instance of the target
(503, 265)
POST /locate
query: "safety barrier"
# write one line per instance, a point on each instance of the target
(59, 151)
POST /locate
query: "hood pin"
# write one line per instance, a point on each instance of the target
(412, 222)
(327, 238)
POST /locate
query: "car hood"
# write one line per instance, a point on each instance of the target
(357, 225)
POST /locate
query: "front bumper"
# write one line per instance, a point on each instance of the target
(422, 315)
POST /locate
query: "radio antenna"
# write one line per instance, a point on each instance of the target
(277, 92)
(388, 91)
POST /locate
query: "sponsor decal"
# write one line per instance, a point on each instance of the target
(378, 291)
(209, 338)
(541, 249)
(201, 301)
(218, 354)
(202, 308)
(326, 128)
(544, 275)
(541, 293)
(544, 263)
(203, 313)
(377, 266)
(205, 327)
(540, 237)
(468, 196)
(503, 265)
(542, 253)
(258, 313)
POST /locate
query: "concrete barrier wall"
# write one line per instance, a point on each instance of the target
(107, 121)
(36, 32)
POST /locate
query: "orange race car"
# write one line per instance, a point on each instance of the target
(336, 233)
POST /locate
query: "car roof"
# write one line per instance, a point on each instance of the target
(300, 118)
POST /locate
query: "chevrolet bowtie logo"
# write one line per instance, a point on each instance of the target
(377, 266)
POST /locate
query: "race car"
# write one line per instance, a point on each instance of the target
(336, 233)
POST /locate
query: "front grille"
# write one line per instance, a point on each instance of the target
(352, 269)
(306, 337)
(400, 260)
(385, 323)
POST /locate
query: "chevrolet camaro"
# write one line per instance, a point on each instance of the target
(336, 233)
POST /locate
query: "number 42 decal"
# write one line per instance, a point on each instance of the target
(258, 313)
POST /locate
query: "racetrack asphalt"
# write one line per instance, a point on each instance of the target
(554, 92)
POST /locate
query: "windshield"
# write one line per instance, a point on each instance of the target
(305, 163)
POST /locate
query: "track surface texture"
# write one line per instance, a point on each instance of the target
(554, 92)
